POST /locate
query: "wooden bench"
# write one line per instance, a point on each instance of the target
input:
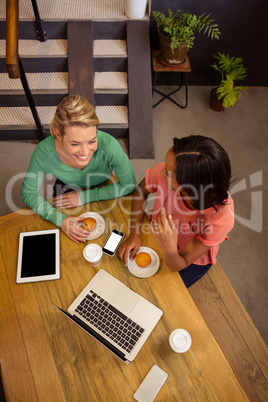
(234, 331)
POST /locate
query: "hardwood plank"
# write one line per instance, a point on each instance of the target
(223, 322)
(12, 348)
(14, 220)
(32, 328)
(79, 353)
(80, 58)
(242, 319)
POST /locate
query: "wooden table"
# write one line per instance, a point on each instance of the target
(46, 357)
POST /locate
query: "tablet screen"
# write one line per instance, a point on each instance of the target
(38, 258)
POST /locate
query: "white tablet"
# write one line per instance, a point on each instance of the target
(39, 256)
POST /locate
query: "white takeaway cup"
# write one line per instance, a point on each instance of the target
(135, 9)
(93, 253)
(180, 340)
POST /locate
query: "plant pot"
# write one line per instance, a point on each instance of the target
(135, 9)
(166, 54)
(215, 104)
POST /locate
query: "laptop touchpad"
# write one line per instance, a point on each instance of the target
(125, 298)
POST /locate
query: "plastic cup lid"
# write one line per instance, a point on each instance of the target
(92, 252)
(180, 340)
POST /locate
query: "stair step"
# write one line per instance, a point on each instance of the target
(109, 47)
(36, 81)
(112, 115)
(22, 116)
(116, 116)
(71, 10)
(110, 82)
(30, 48)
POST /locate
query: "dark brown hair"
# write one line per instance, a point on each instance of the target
(203, 170)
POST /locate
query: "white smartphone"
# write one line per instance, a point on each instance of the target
(151, 385)
(113, 242)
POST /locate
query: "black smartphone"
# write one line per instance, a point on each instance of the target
(113, 242)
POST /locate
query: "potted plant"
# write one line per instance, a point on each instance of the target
(177, 33)
(231, 69)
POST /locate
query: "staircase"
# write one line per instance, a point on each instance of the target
(108, 62)
(46, 68)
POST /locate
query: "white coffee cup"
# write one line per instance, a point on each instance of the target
(93, 253)
(180, 340)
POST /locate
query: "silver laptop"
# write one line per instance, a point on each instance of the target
(113, 314)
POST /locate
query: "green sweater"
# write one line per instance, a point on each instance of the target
(108, 156)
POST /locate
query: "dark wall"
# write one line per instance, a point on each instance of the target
(243, 29)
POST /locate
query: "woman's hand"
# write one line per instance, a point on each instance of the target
(165, 232)
(72, 229)
(130, 247)
(68, 200)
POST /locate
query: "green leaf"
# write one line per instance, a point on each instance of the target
(181, 27)
(228, 93)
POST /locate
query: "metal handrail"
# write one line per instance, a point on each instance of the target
(41, 33)
(40, 130)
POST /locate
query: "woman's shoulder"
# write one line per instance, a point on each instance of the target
(109, 147)
(222, 215)
(219, 210)
(46, 145)
(155, 170)
(154, 178)
(106, 140)
(44, 149)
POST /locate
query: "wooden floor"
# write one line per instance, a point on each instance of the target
(234, 331)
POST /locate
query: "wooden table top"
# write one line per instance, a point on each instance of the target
(45, 357)
(158, 66)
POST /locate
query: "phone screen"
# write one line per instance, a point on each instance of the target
(113, 242)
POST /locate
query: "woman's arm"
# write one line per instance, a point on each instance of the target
(165, 232)
(30, 193)
(132, 244)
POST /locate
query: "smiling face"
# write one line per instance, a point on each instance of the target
(77, 146)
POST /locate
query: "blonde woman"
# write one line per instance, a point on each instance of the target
(81, 157)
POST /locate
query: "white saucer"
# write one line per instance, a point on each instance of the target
(148, 271)
(97, 232)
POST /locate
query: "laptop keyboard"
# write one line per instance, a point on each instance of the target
(110, 321)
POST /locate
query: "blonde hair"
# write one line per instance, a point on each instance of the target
(73, 110)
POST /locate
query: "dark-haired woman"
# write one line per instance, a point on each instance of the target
(193, 211)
